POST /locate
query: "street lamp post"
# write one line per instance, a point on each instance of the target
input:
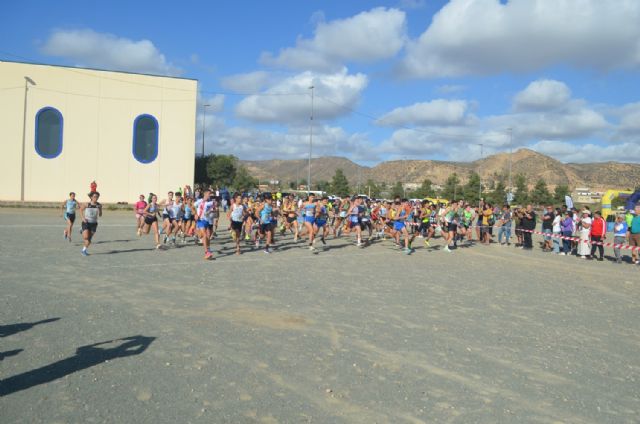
(204, 117)
(27, 81)
(510, 195)
(310, 142)
(480, 170)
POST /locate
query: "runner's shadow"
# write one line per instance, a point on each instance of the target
(8, 330)
(9, 353)
(114, 252)
(85, 357)
(113, 241)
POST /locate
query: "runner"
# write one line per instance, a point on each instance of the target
(265, 212)
(310, 213)
(290, 216)
(354, 217)
(139, 208)
(342, 215)
(69, 207)
(151, 212)
(204, 223)
(90, 214)
(189, 224)
(237, 214)
(166, 220)
(400, 215)
(322, 216)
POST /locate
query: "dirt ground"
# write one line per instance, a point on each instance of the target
(485, 334)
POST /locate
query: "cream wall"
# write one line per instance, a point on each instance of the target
(98, 109)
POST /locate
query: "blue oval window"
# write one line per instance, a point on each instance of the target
(145, 138)
(49, 132)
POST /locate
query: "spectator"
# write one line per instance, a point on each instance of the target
(584, 249)
(528, 225)
(547, 228)
(598, 234)
(557, 231)
(505, 226)
(620, 228)
(568, 228)
(634, 234)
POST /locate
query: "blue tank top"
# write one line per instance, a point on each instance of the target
(187, 212)
(265, 214)
(71, 206)
(310, 210)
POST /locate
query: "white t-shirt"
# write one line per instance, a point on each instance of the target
(585, 231)
(556, 224)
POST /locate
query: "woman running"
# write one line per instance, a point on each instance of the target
(309, 213)
(151, 213)
(290, 216)
(69, 207)
(204, 223)
(322, 216)
(139, 208)
(265, 212)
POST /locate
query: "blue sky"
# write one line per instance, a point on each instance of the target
(416, 79)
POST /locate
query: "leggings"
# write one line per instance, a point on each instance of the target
(594, 246)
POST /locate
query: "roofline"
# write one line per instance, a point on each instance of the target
(97, 69)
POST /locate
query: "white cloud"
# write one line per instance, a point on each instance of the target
(588, 153)
(249, 82)
(542, 95)
(412, 4)
(255, 144)
(366, 37)
(107, 51)
(472, 37)
(435, 112)
(289, 101)
(630, 120)
(450, 88)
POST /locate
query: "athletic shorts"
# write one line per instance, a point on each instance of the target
(452, 226)
(309, 219)
(265, 227)
(165, 216)
(398, 225)
(71, 217)
(343, 214)
(150, 220)
(236, 225)
(320, 223)
(89, 226)
(203, 224)
(291, 219)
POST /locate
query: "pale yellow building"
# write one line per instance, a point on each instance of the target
(63, 127)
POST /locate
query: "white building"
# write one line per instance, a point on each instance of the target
(62, 128)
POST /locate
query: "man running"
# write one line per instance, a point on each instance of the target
(90, 214)
(204, 218)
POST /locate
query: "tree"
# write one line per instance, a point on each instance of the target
(540, 194)
(221, 169)
(425, 189)
(397, 190)
(243, 181)
(373, 188)
(322, 185)
(200, 170)
(560, 191)
(499, 194)
(340, 184)
(451, 187)
(471, 191)
(522, 192)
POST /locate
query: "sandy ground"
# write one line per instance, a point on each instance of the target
(485, 334)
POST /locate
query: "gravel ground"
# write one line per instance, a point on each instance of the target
(485, 334)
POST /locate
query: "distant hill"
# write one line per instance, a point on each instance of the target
(597, 176)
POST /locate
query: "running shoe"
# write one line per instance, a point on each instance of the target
(267, 250)
(446, 249)
(426, 243)
(312, 248)
(407, 251)
(207, 255)
(84, 252)
(322, 240)
(166, 237)
(257, 244)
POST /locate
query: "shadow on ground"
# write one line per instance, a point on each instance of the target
(8, 330)
(85, 357)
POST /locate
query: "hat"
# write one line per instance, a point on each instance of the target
(587, 212)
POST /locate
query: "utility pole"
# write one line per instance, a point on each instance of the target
(479, 171)
(310, 143)
(204, 117)
(27, 81)
(510, 193)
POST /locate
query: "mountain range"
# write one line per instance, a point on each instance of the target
(533, 165)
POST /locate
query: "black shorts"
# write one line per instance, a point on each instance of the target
(452, 227)
(236, 225)
(266, 227)
(89, 226)
(292, 219)
(150, 220)
(71, 217)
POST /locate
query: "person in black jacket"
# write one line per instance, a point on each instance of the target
(529, 224)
